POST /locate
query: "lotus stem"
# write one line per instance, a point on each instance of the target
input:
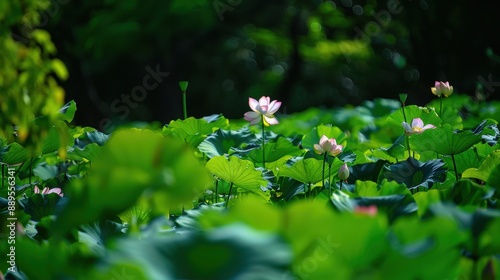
(330, 180)
(408, 145)
(323, 177)
(441, 107)
(229, 194)
(216, 191)
(184, 106)
(454, 166)
(263, 144)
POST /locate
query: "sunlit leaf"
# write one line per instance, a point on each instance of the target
(444, 140)
(425, 199)
(67, 112)
(239, 172)
(58, 138)
(193, 130)
(484, 170)
(415, 243)
(307, 171)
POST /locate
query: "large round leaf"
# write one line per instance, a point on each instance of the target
(239, 172)
(444, 140)
(221, 142)
(194, 131)
(416, 174)
(307, 171)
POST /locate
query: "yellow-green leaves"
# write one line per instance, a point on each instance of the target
(308, 171)
(485, 169)
(135, 163)
(239, 172)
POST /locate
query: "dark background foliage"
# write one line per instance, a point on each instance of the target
(304, 53)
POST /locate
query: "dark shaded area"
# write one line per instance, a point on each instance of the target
(304, 53)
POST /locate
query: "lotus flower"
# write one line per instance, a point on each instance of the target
(367, 210)
(57, 191)
(442, 89)
(328, 146)
(265, 108)
(343, 172)
(417, 127)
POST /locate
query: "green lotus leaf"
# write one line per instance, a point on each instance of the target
(221, 141)
(307, 171)
(398, 149)
(90, 137)
(370, 188)
(291, 188)
(465, 160)
(489, 131)
(417, 174)
(39, 206)
(425, 199)
(415, 243)
(13, 154)
(193, 130)
(485, 169)
(58, 138)
(465, 192)
(132, 161)
(494, 178)
(275, 151)
(485, 228)
(239, 172)
(366, 171)
(234, 251)
(455, 102)
(67, 112)
(444, 140)
(88, 144)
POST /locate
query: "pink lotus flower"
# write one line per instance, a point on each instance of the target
(328, 146)
(367, 210)
(417, 127)
(442, 89)
(57, 191)
(343, 172)
(265, 108)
